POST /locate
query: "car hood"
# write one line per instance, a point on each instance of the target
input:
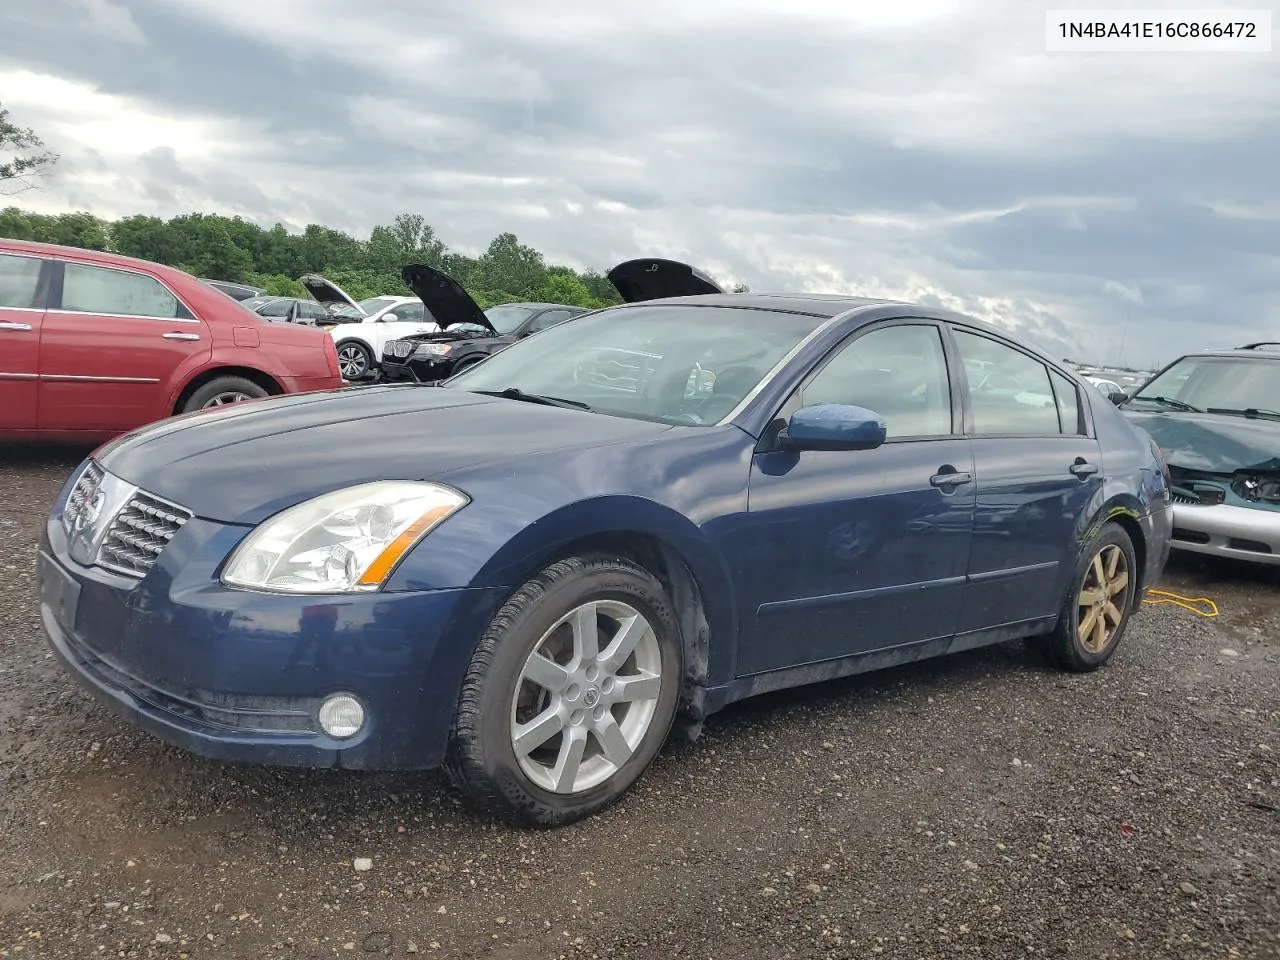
(326, 292)
(243, 463)
(1212, 443)
(652, 278)
(444, 297)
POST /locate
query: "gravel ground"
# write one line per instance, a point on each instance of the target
(979, 806)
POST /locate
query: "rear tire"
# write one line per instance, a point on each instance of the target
(223, 391)
(550, 729)
(1096, 610)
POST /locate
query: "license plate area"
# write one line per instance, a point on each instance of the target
(58, 591)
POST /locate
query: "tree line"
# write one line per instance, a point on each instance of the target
(231, 248)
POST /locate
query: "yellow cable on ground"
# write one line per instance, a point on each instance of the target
(1184, 602)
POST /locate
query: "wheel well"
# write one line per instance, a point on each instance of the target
(1131, 526)
(254, 376)
(665, 563)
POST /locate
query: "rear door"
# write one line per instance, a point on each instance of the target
(109, 351)
(24, 283)
(1038, 472)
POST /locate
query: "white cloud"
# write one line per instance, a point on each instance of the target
(111, 20)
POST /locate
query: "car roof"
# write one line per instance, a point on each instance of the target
(1268, 351)
(537, 305)
(38, 249)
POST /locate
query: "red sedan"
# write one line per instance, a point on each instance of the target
(94, 344)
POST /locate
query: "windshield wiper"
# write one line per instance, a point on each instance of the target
(1247, 412)
(515, 393)
(1170, 402)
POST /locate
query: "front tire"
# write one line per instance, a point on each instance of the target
(570, 694)
(354, 360)
(1096, 611)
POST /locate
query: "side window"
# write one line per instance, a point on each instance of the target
(277, 308)
(900, 372)
(408, 312)
(1068, 399)
(548, 319)
(313, 311)
(1010, 391)
(88, 289)
(19, 281)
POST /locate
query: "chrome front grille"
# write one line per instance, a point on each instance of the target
(398, 349)
(142, 528)
(84, 495)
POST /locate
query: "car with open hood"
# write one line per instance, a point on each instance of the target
(360, 329)
(1216, 416)
(531, 572)
(468, 333)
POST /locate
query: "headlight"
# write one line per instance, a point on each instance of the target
(343, 542)
(435, 349)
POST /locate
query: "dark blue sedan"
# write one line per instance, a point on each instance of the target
(531, 573)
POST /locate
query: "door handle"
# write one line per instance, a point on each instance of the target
(952, 479)
(181, 336)
(1083, 468)
(14, 326)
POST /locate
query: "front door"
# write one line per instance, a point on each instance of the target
(109, 353)
(848, 552)
(22, 301)
(1037, 475)
(408, 319)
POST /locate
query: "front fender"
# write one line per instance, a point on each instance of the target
(500, 548)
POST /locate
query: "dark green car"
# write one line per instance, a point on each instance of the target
(1216, 416)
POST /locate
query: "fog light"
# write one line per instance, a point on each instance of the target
(341, 716)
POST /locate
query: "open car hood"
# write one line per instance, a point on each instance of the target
(450, 304)
(651, 278)
(327, 292)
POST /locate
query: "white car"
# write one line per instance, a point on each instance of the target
(1108, 388)
(360, 329)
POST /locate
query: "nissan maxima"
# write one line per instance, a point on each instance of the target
(532, 572)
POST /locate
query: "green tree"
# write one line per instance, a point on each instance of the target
(512, 267)
(22, 158)
(144, 237)
(231, 248)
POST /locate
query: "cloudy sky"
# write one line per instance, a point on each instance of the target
(1109, 206)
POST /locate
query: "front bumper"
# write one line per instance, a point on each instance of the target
(235, 675)
(416, 369)
(1225, 530)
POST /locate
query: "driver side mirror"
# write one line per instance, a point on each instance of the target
(833, 426)
(387, 318)
(1118, 397)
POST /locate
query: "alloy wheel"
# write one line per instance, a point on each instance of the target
(352, 362)
(1103, 599)
(225, 399)
(586, 696)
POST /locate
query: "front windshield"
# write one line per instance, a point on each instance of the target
(367, 307)
(671, 363)
(506, 317)
(1217, 384)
